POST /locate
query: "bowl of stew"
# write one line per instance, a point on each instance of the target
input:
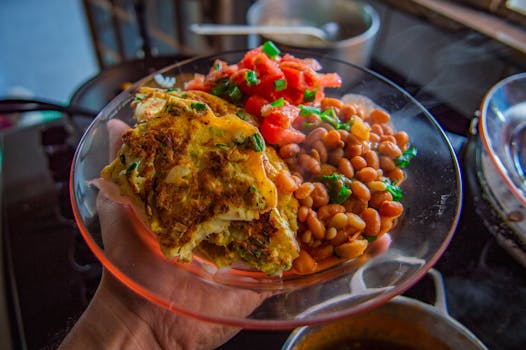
(317, 130)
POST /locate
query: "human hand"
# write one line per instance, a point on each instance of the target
(117, 317)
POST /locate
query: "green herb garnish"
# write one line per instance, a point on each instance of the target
(329, 116)
(217, 66)
(338, 186)
(173, 89)
(251, 78)
(394, 190)
(138, 97)
(271, 49)
(198, 106)
(132, 167)
(280, 84)
(234, 94)
(256, 142)
(404, 160)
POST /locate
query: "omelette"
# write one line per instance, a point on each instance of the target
(204, 175)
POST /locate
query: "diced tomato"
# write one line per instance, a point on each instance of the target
(331, 80)
(254, 105)
(281, 116)
(275, 135)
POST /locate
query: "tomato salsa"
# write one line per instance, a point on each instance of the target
(273, 87)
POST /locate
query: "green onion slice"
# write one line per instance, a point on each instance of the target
(271, 49)
(309, 95)
(251, 78)
(308, 110)
(280, 84)
(280, 102)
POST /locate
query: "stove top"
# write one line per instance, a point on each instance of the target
(51, 275)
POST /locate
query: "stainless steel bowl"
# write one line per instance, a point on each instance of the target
(402, 324)
(358, 24)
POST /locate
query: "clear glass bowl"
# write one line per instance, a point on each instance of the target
(432, 201)
(502, 128)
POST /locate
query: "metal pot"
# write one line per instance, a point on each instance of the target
(403, 323)
(358, 25)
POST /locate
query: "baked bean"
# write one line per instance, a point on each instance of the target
(366, 147)
(402, 139)
(331, 233)
(328, 102)
(391, 209)
(366, 174)
(377, 129)
(358, 162)
(372, 221)
(386, 225)
(335, 155)
(303, 213)
(376, 186)
(319, 195)
(315, 226)
(289, 151)
(389, 149)
(319, 146)
(333, 139)
(351, 250)
(386, 163)
(338, 220)
(342, 236)
(379, 116)
(315, 135)
(360, 190)
(309, 163)
(387, 129)
(285, 182)
(304, 190)
(396, 175)
(327, 169)
(307, 201)
(374, 138)
(345, 167)
(297, 179)
(355, 205)
(355, 221)
(330, 210)
(306, 237)
(353, 150)
(389, 138)
(323, 252)
(347, 111)
(304, 263)
(344, 135)
(377, 198)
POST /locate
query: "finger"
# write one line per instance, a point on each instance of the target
(116, 129)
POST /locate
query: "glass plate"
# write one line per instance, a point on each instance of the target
(432, 201)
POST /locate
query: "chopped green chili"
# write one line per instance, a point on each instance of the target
(280, 84)
(271, 49)
(404, 160)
